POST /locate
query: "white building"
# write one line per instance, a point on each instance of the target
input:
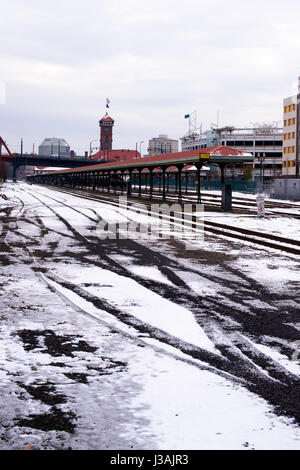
(264, 141)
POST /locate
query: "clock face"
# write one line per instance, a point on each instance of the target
(106, 129)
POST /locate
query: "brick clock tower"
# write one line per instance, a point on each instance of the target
(106, 128)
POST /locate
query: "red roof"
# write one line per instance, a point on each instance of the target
(117, 155)
(220, 151)
(107, 118)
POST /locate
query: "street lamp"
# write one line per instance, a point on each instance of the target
(261, 158)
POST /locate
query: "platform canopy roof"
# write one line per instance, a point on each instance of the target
(213, 155)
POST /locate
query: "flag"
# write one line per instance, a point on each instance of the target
(186, 116)
(107, 102)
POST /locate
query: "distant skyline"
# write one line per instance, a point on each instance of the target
(155, 61)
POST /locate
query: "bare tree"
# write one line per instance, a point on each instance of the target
(265, 128)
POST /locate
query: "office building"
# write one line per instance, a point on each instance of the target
(162, 144)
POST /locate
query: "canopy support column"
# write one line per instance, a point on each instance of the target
(179, 167)
(140, 182)
(164, 182)
(151, 183)
(198, 166)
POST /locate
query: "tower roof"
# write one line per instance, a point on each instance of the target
(107, 118)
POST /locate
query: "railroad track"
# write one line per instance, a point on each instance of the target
(214, 200)
(238, 199)
(237, 202)
(275, 242)
(239, 358)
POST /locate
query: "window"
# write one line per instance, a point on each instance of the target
(284, 123)
(283, 164)
(275, 155)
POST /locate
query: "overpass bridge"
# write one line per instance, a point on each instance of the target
(17, 160)
(37, 160)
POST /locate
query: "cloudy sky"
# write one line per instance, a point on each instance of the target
(156, 61)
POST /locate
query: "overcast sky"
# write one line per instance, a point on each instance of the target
(156, 61)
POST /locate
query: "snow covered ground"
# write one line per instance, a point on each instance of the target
(140, 345)
(280, 226)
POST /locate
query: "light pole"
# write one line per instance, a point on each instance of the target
(142, 142)
(261, 172)
(254, 150)
(91, 149)
(263, 167)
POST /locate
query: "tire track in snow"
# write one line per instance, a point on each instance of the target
(262, 385)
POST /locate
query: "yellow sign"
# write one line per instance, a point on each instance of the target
(204, 155)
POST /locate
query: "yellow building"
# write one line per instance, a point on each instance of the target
(289, 136)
